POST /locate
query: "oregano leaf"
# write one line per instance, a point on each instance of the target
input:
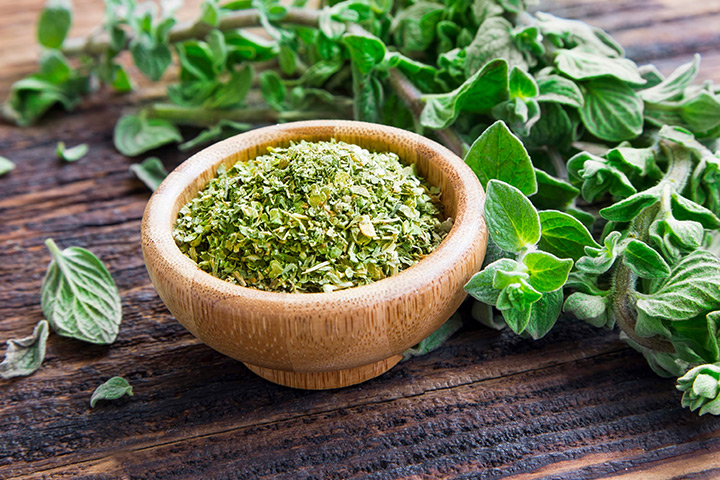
(25, 355)
(513, 222)
(563, 235)
(79, 297)
(113, 389)
(151, 172)
(135, 134)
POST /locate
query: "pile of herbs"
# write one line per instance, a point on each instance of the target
(312, 217)
(602, 176)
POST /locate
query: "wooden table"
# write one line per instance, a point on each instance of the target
(577, 404)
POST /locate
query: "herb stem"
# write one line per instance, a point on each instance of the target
(203, 117)
(94, 45)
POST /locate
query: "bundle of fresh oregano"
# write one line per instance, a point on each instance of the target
(602, 177)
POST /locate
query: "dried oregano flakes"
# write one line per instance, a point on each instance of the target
(312, 217)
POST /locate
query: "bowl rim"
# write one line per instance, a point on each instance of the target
(157, 221)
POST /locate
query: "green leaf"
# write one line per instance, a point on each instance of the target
(522, 84)
(565, 33)
(701, 387)
(366, 51)
(599, 260)
(493, 40)
(71, 154)
(544, 313)
(5, 166)
(272, 89)
(480, 286)
(151, 172)
(233, 92)
(644, 261)
(692, 288)
(563, 235)
(413, 28)
(79, 297)
(600, 176)
(54, 23)
(498, 154)
(113, 389)
(547, 272)
(673, 87)
(436, 339)
(553, 193)
(557, 89)
(589, 308)
(513, 222)
(210, 13)
(478, 94)
(517, 318)
(136, 134)
(554, 127)
(685, 209)
(579, 64)
(627, 209)
(25, 355)
(612, 110)
(151, 57)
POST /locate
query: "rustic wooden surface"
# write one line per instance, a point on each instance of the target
(577, 404)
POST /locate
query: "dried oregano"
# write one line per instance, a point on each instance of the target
(312, 217)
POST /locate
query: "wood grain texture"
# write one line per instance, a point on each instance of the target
(576, 405)
(319, 340)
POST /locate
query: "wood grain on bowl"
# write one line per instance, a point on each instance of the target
(318, 340)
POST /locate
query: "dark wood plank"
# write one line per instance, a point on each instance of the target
(578, 404)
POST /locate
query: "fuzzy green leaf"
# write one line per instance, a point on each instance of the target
(644, 261)
(71, 154)
(25, 355)
(79, 297)
(563, 235)
(5, 166)
(498, 154)
(547, 272)
(54, 23)
(114, 388)
(480, 286)
(692, 288)
(612, 110)
(513, 222)
(136, 134)
(544, 313)
(151, 172)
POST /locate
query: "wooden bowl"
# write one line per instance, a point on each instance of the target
(318, 340)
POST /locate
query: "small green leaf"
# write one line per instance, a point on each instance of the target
(480, 286)
(151, 172)
(498, 154)
(513, 222)
(114, 388)
(436, 339)
(589, 308)
(5, 166)
(553, 193)
(71, 154)
(478, 94)
(544, 313)
(672, 87)
(151, 58)
(79, 297)
(54, 23)
(366, 51)
(692, 289)
(557, 89)
(612, 110)
(25, 355)
(522, 84)
(493, 40)
(580, 64)
(599, 176)
(221, 130)
(547, 272)
(627, 209)
(563, 235)
(644, 261)
(517, 318)
(599, 260)
(136, 134)
(701, 387)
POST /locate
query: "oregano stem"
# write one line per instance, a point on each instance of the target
(96, 45)
(203, 117)
(624, 280)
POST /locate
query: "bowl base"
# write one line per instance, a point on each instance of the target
(326, 380)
